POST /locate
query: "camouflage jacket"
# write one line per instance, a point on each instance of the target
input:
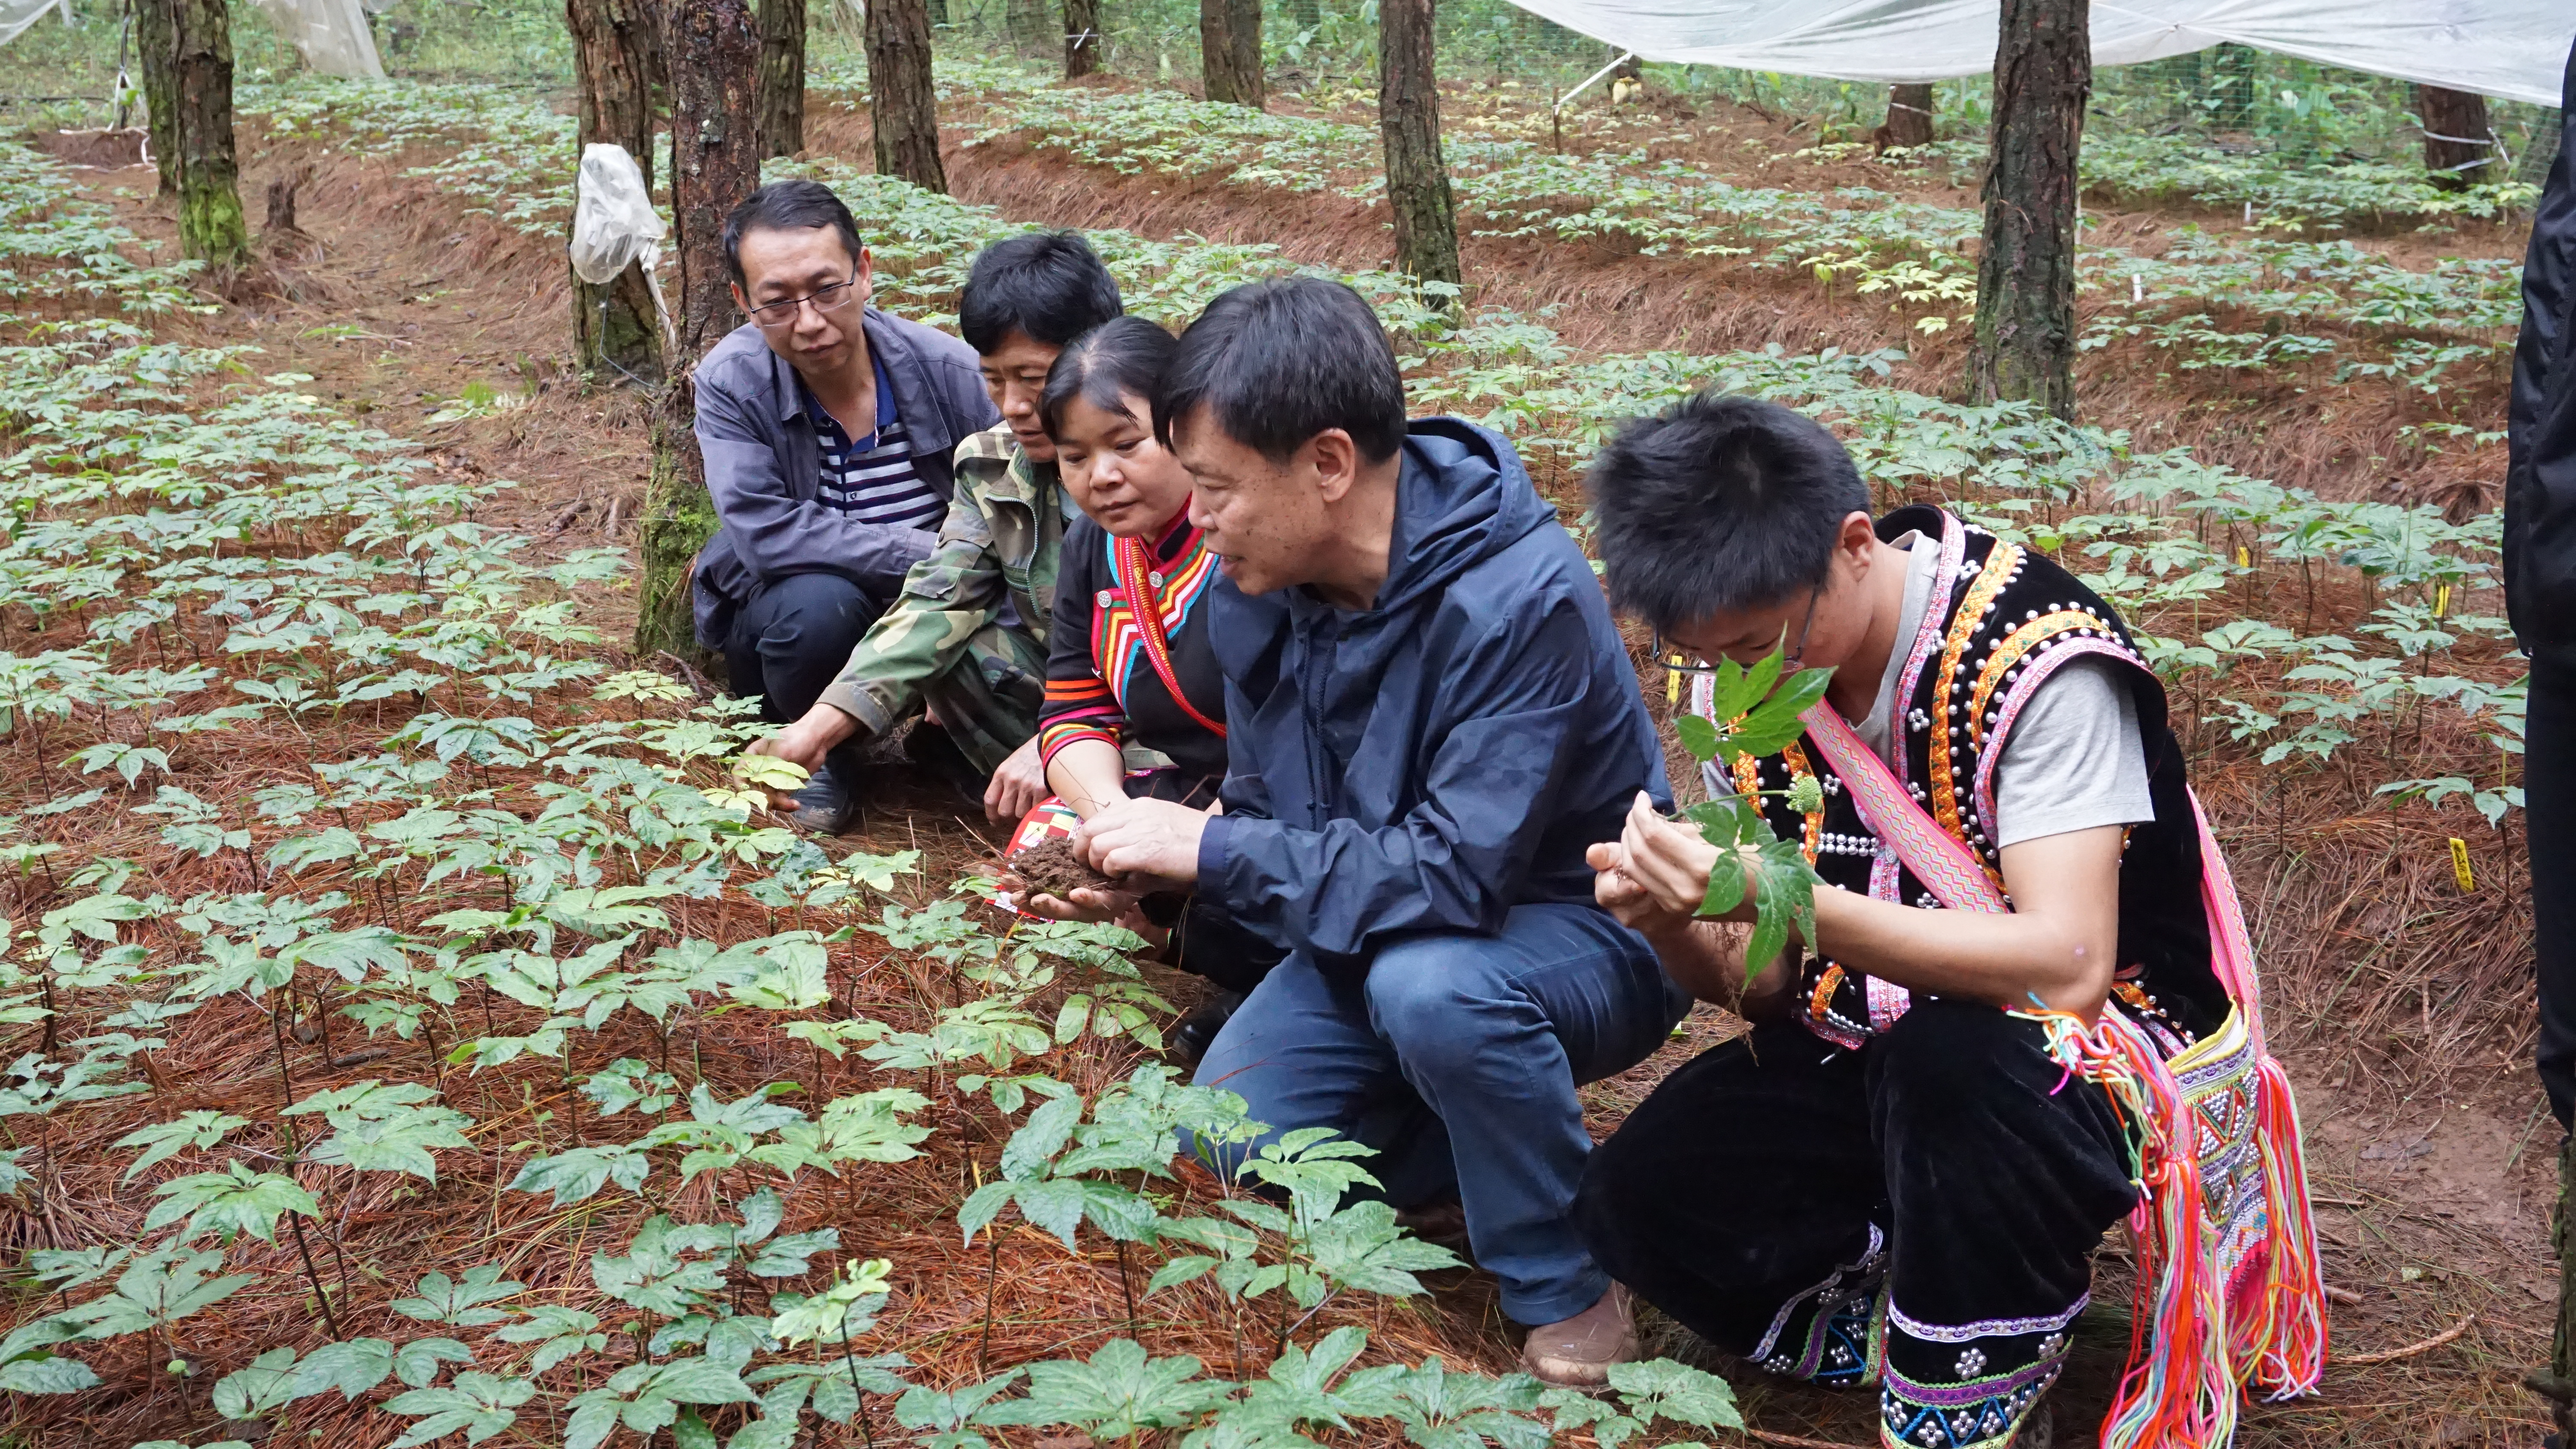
(995, 563)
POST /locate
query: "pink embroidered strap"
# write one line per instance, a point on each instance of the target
(1934, 855)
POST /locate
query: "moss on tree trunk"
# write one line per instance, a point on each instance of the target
(1230, 51)
(1408, 117)
(782, 77)
(713, 50)
(158, 53)
(903, 108)
(616, 63)
(2025, 342)
(211, 225)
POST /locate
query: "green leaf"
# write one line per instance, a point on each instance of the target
(445, 1300)
(352, 1367)
(479, 1405)
(261, 1389)
(1663, 1389)
(416, 1363)
(200, 1130)
(235, 1200)
(1117, 1393)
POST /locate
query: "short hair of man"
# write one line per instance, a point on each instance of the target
(788, 206)
(1048, 286)
(1277, 362)
(1122, 358)
(1719, 503)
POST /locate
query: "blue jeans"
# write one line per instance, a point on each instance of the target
(1457, 1059)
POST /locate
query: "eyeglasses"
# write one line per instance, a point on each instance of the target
(775, 316)
(1672, 659)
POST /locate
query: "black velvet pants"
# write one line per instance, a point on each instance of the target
(1922, 1211)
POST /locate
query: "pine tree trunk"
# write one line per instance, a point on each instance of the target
(782, 77)
(158, 51)
(1230, 51)
(211, 225)
(1025, 22)
(1909, 115)
(903, 108)
(1408, 117)
(2025, 345)
(2458, 142)
(616, 61)
(713, 51)
(1081, 38)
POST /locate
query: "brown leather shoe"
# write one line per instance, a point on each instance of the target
(1576, 1353)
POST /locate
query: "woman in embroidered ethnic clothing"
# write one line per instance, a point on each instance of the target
(1129, 667)
(1890, 1181)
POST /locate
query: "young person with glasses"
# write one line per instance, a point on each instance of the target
(1889, 1181)
(965, 640)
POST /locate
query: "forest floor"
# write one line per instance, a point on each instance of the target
(2429, 1159)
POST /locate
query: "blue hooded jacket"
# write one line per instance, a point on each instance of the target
(1433, 761)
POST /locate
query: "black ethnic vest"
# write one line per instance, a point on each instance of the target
(2012, 617)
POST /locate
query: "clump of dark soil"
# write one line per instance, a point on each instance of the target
(1052, 869)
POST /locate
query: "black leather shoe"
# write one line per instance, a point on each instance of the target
(1197, 1031)
(827, 805)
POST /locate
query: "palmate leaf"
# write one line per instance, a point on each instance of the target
(459, 1303)
(1663, 1389)
(1444, 1410)
(160, 1288)
(193, 1129)
(479, 1405)
(1117, 1393)
(1752, 862)
(646, 1398)
(573, 1175)
(233, 1201)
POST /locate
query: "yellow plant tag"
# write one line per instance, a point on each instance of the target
(2460, 865)
(2441, 600)
(2244, 559)
(1673, 683)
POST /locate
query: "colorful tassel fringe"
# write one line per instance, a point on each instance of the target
(2203, 1327)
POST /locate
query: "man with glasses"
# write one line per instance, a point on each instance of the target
(827, 428)
(1933, 1183)
(964, 639)
(1429, 717)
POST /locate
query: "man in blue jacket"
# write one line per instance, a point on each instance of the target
(827, 428)
(1429, 716)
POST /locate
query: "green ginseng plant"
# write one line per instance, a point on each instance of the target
(1753, 712)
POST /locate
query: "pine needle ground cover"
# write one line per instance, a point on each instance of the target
(419, 1034)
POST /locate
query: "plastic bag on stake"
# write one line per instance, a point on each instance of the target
(613, 220)
(614, 223)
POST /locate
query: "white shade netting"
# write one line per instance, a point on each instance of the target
(331, 35)
(2513, 49)
(17, 15)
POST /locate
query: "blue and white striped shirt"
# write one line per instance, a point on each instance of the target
(872, 478)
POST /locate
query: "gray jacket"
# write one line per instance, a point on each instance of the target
(764, 465)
